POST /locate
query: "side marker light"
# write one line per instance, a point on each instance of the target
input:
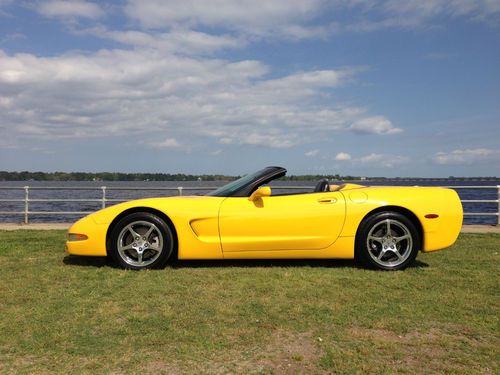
(76, 237)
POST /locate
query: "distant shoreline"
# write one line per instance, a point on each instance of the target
(25, 176)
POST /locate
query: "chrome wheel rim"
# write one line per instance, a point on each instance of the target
(140, 243)
(389, 243)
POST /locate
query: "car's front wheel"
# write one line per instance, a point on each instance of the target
(387, 241)
(141, 241)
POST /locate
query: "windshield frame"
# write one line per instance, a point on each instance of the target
(246, 185)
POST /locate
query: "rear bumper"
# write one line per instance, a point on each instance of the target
(443, 232)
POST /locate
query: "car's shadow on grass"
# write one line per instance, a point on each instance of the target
(243, 263)
(264, 263)
(270, 263)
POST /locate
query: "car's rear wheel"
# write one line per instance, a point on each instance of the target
(387, 241)
(141, 241)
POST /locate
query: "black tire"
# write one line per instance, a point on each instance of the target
(387, 241)
(141, 241)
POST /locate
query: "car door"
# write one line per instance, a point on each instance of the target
(287, 222)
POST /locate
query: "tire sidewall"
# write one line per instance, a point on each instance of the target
(168, 240)
(361, 251)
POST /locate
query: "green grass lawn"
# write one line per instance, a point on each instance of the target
(78, 315)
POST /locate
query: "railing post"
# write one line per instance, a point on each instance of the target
(103, 188)
(26, 204)
(179, 189)
(498, 210)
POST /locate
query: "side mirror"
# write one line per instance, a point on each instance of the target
(263, 191)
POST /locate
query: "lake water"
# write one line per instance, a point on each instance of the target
(67, 193)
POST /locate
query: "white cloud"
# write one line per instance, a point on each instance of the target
(312, 153)
(437, 56)
(270, 18)
(176, 41)
(272, 137)
(343, 156)
(409, 14)
(150, 93)
(291, 17)
(12, 37)
(70, 8)
(298, 19)
(436, 8)
(374, 125)
(5, 102)
(467, 156)
(382, 160)
(316, 79)
(167, 143)
(3, 5)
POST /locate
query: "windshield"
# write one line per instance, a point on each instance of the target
(245, 185)
(229, 189)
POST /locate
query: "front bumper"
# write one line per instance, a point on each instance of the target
(95, 244)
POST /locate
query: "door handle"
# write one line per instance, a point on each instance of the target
(327, 200)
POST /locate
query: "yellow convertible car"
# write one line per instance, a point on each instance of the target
(382, 227)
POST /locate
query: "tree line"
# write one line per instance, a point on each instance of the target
(119, 176)
(105, 176)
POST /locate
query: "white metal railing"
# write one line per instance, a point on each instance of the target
(179, 190)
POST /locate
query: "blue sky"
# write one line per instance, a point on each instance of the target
(380, 88)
